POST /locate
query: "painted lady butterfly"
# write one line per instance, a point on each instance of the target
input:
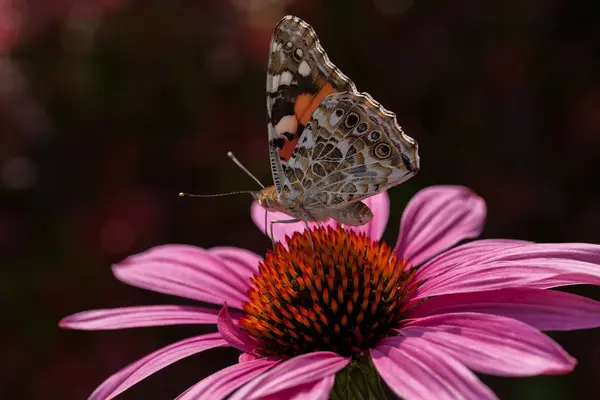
(330, 146)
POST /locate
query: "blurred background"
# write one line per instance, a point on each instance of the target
(109, 108)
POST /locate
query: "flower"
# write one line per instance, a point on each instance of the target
(422, 316)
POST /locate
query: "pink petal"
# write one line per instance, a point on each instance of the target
(246, 357)
(301, 370)
(242, 262)
(318, 390)
(547, 310)
(153, 362)
(185, 271)
(221, 384)
(281, 230)
(234, 336)
(416, 369)
(380, 206)
(492, 344)
(135, 317)
(531, 266)
(559, 280)
(470, 253)
(437, 218)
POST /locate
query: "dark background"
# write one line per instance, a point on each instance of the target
(109, 108)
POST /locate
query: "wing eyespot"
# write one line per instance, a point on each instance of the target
(351, 120)
(288, 47)
(383, 151)
(361, 128)
(375, 136)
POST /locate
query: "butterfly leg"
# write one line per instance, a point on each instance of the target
(266, 218)
(291, 221)
(280, 221)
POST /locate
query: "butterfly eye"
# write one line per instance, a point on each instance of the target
(375, 136)
(288, 47)
(383, 151)
(361, 128)
(351, 120)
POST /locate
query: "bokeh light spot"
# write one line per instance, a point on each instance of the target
(19, 173)
(117, 236)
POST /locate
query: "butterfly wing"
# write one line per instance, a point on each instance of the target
(299, 77)
(351, 148)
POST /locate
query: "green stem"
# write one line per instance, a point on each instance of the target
(358, 381)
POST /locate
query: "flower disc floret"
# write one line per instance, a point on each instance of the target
(344, 295)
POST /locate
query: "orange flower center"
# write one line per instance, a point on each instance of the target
(343, 296)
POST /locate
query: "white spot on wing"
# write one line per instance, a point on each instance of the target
(306, 141)
(321, 117)
(304, 68)
(289, 123)
(286, 78)
(309, 136)
(275, 82)
(344, 146)
(334, 119)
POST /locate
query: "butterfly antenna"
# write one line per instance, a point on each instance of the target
(239, 164)
(182, 194)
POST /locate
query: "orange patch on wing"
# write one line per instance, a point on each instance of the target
(304, 106)
(288, 149)
(302, 103)
(307, 103)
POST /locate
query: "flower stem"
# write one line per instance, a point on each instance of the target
(358, 381)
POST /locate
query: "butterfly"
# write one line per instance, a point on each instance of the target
(329, 145)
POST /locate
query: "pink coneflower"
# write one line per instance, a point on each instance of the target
(336, 320)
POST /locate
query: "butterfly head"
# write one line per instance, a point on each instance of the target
(268, 199)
